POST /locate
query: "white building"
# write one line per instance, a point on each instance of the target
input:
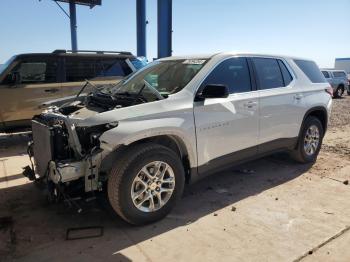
(343, 64)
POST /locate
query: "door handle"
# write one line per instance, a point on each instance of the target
(52, 90)
(298, 96)
(250, 104)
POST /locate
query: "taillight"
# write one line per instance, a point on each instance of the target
(329, 90)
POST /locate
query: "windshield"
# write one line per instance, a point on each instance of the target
(4, 66)
(166, 77)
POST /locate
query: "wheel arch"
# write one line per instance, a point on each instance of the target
(173, 142)
(319, 112)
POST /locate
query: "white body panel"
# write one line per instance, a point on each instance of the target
(214, 128)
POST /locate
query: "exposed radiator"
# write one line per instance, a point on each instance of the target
(43, 146)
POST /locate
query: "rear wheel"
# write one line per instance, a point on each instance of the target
(339, 92)
(309, 141)
(146, 183)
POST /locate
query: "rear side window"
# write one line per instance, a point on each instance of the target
(326, 74)
(287, 77)
(339, 74)
(311, 70)
(268, 72)
(79, 69)
(234, 73)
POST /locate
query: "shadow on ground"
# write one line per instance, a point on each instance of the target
(39, 226)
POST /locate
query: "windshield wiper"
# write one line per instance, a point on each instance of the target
(87, 82)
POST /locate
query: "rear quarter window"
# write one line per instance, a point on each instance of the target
(311, 70)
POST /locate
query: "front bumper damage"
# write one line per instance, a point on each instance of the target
(58, 159)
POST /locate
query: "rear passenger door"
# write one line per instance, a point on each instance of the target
(281, 104)
(227, 128)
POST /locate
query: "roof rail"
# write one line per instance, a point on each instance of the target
(60, 51)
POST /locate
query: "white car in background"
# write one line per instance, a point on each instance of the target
(175, 121)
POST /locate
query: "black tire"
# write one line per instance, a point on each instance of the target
(339, 92)
(125, 170)
(299, 154)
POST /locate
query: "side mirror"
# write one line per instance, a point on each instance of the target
(213, 91)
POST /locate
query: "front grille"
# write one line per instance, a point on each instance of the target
(43, 146)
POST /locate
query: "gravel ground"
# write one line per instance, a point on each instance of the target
(340, 112)
(281, 210)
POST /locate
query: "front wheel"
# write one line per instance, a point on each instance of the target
(309, 141)
(146, 183)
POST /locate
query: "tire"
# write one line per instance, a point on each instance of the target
(339, 92)
(300, 154)
(348, 92)
(121, 183)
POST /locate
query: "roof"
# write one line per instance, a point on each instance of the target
(64, 54)
(342, 58)
(227, 54)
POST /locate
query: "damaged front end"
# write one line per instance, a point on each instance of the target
(66, 157)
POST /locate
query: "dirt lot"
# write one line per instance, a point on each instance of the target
(267, 210)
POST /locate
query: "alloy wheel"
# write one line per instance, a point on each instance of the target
(153, 186)
(311, 140)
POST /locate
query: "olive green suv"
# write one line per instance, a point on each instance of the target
(27, 81)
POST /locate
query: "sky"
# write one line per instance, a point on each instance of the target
(315, 29)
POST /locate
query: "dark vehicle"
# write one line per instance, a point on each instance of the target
(27, 81)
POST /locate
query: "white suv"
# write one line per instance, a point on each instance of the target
(175, 121)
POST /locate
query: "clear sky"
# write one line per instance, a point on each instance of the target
(317, 29)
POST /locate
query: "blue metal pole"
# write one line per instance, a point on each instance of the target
(141, 27)
(164, 28)
(73, 25)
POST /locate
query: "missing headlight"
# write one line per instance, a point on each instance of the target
(89, 136)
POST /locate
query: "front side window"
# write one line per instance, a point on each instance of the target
(166, 77)
(233, 73)
(311, 70)
(326, 74)
(268, 73)
(33, 70)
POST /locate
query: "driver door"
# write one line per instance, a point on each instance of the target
(227, 128)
